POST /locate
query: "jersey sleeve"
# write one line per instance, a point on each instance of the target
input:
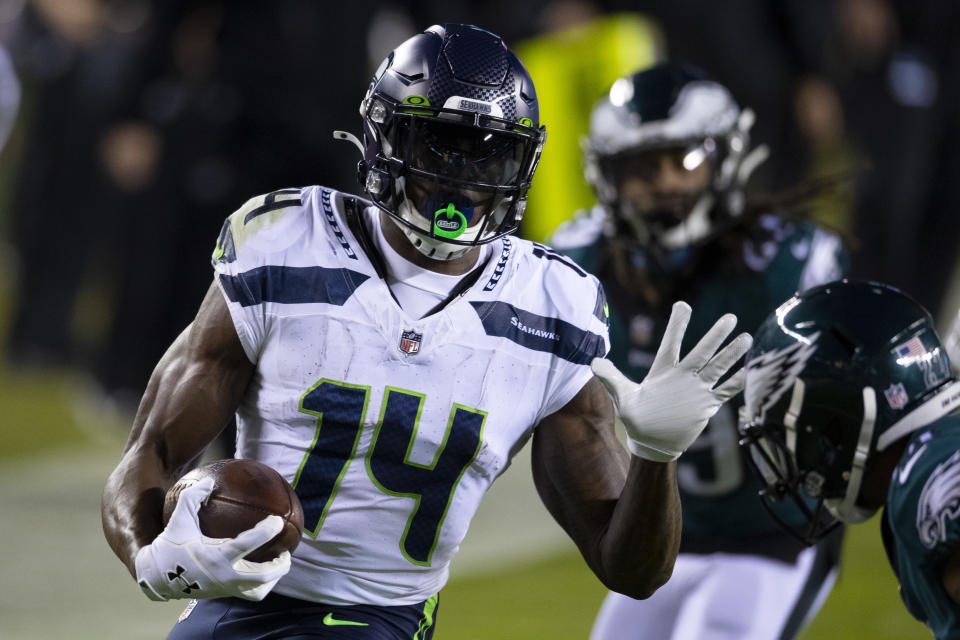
(252, 241)
(588, 337)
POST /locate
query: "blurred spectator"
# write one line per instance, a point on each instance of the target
(9, 96)
(76, 60)
(241, 94)
(895, 64)
(575, 59)
(162, 117)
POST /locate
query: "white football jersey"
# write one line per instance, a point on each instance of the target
(391, 428)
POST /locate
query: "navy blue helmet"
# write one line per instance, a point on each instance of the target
(451, 138)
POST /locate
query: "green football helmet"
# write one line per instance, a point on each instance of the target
(836, 375)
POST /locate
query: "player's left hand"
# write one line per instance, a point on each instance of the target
(666, 412)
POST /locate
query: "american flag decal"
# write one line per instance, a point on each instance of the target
(912, 348)
(410, 342)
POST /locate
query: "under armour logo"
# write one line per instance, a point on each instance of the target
(188, 587)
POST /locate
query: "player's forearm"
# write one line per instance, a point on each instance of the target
(132, 506)
(187, 402)
(639, 547)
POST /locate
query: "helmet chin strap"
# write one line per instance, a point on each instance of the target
(430, 247)
(847, 510)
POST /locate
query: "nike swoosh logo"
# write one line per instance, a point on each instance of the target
(330, 621)
(905, 471)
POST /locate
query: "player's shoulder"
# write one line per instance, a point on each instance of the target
(925, 488)
(584, 229)
(541, 265)
(276, 226)
(794, 253)
(581, 237)
(543, 278)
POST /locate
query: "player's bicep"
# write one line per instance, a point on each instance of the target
(579, 467)
(194, 389)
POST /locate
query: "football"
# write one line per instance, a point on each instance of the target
(244, 493)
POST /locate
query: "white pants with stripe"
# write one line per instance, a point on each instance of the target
(722, 596)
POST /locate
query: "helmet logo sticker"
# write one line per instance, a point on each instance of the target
(770, 375)
(449, 222)
(473, 105)
(939, 501)
(417, 101)
(897, 396)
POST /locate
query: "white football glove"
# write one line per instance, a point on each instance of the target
(183, 563)
(666, 412)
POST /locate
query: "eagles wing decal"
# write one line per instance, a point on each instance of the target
(772, 374)
(939, 501)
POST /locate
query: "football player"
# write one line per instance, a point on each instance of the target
(668, 156)
(850, 407)
(389, 355)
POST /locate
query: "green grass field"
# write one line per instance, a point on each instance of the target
(557, 598)
(553, 597)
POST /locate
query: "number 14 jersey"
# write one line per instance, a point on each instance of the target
(391, 428)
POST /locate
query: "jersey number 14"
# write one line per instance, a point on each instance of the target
(340, 409)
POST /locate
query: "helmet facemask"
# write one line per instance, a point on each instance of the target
(451, 179)
(671, 218)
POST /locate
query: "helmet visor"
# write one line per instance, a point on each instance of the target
(463, 154)
(647, 163)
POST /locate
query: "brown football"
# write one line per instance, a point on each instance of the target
(244, 493)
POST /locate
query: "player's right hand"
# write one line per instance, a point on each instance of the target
(183, 563)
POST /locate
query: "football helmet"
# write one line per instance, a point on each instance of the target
(674, 111)
(836, 375)
(451, 139)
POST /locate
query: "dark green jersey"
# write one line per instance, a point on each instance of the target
(721, 511)
(921, 527)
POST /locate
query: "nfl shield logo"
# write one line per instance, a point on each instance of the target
(897, 396)
(410, 342)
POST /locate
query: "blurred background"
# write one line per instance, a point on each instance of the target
(134, 127)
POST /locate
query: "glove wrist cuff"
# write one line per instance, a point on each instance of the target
(145, 569)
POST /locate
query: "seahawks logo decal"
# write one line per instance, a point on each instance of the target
(939, 502)
(770, 375)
